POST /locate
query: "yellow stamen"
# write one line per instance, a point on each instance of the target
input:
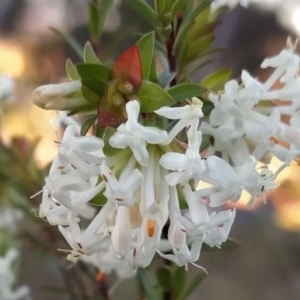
(150, 228)
(274, 140)
(100, 276)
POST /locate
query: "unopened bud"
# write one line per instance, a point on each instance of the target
(62, 96)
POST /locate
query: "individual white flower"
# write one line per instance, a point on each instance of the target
(286, 64)
(184, 255)
(62, 96)
(266, 183)
(135, 136)
(107, 262)
(73, 236)
(218, 227)
(121, 191)
(228, 182)
(264, 136)
(188, 116)
(82, 152)
(185, 166)
(250, 94)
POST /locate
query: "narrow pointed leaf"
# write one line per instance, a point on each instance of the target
(178, 5)
(71, 70)
(89, 55)
(164, 277)
(184, 91)
(152, 97)
(87, 124)
(146, 50)
(191, 286)
(144, 9)
(217, 79)
(150, 291)
(97, 16)
(178, 280)
(188, 21)
(69, 39)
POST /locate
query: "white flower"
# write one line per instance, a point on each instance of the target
(184, 255)
(73, 236)
(81, 152)
(286, 62)
(107, 262)
(188, 116)
(120, 236)
(7, 279)
(264, 135)
(135, 136)
(186, 166)
(121, 191)
(228, 182)
(62, 96)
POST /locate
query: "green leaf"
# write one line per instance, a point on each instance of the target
(184, 91)
(165, 78)
(152, 97)
(89, 95)
(144, 9)
(97, 16)
(150, 291)
(108, 150)
(179, 280)
(71, 70)
(95, 77)
(153, 74)
(73, 43)
(83, 109)
(146, 50)
(87, 124)
(188, 21)
(164, 277)
(89, 55)
(99, 199)
(178, 5)
(216, 80)
(191, 286)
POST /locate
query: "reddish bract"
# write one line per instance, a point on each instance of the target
(129, 64)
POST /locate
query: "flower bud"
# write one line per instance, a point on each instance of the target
(62, 96)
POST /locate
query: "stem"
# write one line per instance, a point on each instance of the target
(171, 54)
(167, 293)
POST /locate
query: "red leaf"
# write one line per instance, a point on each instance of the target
(108, 115)
(129, 64)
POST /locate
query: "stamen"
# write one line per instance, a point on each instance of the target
(100, 276)
(274, 140)
(150, 228)
(79, 245)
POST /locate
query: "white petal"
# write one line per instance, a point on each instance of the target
(174, 113)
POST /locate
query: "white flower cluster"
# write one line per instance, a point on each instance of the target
(7, 279)
(152, 179)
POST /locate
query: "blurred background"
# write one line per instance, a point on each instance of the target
(266, 264)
